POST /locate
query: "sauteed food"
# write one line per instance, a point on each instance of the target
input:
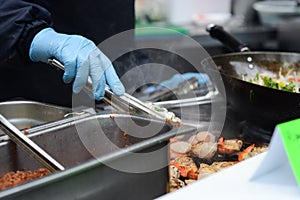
(12, 179)
(287, 82)
(201, 155)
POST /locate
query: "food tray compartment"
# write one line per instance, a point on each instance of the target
(86, 177)
(24, 114)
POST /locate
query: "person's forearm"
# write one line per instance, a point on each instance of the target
(20, 21)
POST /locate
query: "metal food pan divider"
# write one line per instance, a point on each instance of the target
(86, 177)
(26, 114)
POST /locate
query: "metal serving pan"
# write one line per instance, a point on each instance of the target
(24, 114)
(125, 167)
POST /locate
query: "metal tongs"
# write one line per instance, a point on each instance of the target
(124, 103)
(29, 146)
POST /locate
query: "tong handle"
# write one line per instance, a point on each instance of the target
(125, 102)
(88, 88)
(29, 146)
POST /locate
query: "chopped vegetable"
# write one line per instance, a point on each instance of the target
(285, 83)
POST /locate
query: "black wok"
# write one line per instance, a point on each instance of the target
(262, 106)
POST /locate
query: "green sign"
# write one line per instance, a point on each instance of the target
(290, 135)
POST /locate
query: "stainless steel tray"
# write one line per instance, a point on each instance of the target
(85, 176)
(24, 114)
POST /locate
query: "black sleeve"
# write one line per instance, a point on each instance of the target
(20, 20)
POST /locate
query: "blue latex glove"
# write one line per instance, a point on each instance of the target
(179, 78)
(81, 59)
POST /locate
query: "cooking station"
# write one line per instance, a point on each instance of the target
(256, 37)
(55, 129)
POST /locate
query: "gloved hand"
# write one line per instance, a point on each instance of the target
(179, 78)
(81, 59)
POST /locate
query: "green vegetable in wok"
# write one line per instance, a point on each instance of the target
(285, 83)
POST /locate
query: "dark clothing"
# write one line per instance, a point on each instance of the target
(21, 20)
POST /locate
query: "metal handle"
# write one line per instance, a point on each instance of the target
(123, 103)
(226, 38)
(88, 87)
(29, 146)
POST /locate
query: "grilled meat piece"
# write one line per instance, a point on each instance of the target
(186, 166)
(206, 170)
(229, 146)
(251, 151)
(204, 150)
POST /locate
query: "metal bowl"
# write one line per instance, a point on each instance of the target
(271, 13)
